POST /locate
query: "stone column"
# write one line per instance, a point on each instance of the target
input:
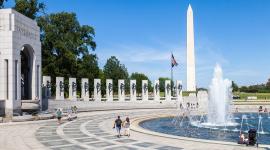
(97, 90)
(60, 88)
(46, 84)
(109, 90)
(144, 90)
(168, 90)
(121, 90)
(72, 89)
(202, 101)
(133, 93)
(85, 89)
(179, 87)
(156, 90)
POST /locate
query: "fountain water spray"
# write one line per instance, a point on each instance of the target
(260, 126)
(220, 95)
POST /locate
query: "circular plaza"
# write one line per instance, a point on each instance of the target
(93, 130)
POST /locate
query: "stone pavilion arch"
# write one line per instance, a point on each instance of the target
(27, 55)
(20, 62)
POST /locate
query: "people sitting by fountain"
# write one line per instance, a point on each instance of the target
(260, 109)
(236, 109)
(252, 140)
(265, 110)
(242, 139)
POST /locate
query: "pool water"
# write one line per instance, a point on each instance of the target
(171, 126)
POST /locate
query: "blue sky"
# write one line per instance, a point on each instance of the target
(142, 34)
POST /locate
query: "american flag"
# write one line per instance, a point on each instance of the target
(174, 63)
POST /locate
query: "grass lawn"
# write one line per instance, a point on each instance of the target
(185, 93)
(261, 96)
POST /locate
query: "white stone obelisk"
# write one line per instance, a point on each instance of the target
(191, 82)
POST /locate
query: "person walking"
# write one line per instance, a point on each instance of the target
(59, 115)
(127, 127)
(118, 125)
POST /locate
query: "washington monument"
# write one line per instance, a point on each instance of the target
(191, 81)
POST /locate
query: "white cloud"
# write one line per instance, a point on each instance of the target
(155, 60)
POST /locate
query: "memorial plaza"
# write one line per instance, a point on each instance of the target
(54, 96)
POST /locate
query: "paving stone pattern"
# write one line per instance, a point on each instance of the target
(86, 133)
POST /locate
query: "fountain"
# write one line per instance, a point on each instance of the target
(220, 94)
(219, 124)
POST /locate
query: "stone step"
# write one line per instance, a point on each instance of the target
(30, 101)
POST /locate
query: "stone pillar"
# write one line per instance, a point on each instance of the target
(109, 89)
(72, 89)
(46, 84)
(97, 89)
(144, 90)
(156, 90)
(168, 90)
(60, 88)
(202, 101)
(121, 90)
(179, 96)
(133, 93)
(85, 89)
(46, 92)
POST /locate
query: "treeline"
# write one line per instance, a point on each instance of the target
(259, 88)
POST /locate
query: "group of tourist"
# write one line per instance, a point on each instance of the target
(242, 139)
(70, 112)
(118, 124)
(251, 138)
(262, 110)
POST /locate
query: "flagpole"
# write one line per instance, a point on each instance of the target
(171, 74)
(172, 84)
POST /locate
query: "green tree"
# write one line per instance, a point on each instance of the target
(162, 83)
(114, 70)
(268, 84)
(29, 8)
(139, 77)
(234, 87)
(2, 3)
(243, 89)
(88, 68)
(65, 47)
(101, 76)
